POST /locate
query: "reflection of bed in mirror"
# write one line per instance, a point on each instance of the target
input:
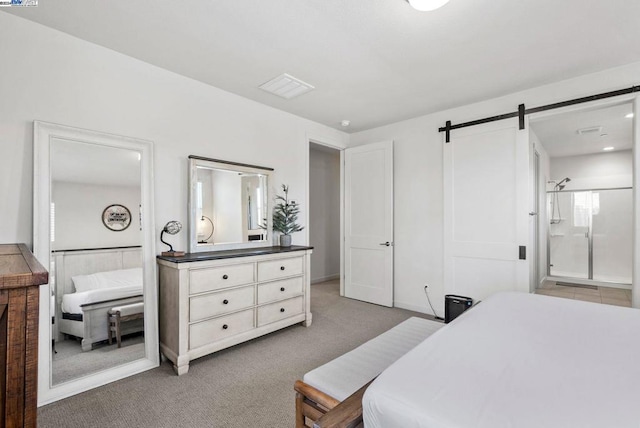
(88, 284)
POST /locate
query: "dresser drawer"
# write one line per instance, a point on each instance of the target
(221, 302)
(201, 280)
(275, 269)
(280, 310)
(280, 290)
(206, 332)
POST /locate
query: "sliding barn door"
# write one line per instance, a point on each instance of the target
(368, 223)
(486, 218)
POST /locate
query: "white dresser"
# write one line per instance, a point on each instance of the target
(211, 301)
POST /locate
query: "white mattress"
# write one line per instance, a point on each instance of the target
(71, 302)
(346, 374)
(517, 360)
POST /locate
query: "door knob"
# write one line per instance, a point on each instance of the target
(386, 244)
(533, 213)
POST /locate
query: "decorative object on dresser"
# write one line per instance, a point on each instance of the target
(20, 277)
(285, 215)
(213, 228)
(211, 301)
(172, 228)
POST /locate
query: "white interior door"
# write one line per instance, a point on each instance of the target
(368, 223)
(486, 216)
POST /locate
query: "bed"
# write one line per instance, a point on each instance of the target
(90, 282)
(517, 360)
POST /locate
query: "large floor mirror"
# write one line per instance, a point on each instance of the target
(94, 230)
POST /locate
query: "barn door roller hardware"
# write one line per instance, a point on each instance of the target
(522, 111)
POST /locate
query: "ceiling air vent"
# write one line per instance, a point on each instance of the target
(286, 86)
(590, 130)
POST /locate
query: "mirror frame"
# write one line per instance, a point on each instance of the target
(199, 161)
(43, 135)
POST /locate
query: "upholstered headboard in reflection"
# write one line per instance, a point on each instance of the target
(70, 263)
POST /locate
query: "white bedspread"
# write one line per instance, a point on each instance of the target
(71, 302)
(517, 360)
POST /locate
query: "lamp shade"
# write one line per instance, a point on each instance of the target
(427, 5)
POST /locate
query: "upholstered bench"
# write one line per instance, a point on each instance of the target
(328, 385)
(121, 314)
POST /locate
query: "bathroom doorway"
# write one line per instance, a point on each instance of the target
(588, 156)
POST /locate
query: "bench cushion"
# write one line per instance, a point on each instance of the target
(125, 310)
(346, 374)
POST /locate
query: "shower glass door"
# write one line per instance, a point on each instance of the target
(570, 217)
(612, 235)
(590, 234)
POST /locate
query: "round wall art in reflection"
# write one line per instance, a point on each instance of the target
(116, 217)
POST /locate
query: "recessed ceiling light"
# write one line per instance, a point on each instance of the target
(286, 86)
(608, 149)
(345, 123)
(629, 116)
(427, 5)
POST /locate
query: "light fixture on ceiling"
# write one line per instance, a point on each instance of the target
(345, 123)
(427, 5)
(629, 116)
(608, 149)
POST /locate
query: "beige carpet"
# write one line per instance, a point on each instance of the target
(70, 362)
(248, 385)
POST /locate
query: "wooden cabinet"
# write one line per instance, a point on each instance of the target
(20, 277)
(211, 301)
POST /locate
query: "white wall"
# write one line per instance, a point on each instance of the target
(51, 76)
(78, 218)
(324, 214)
(594, 171)
(419, 177)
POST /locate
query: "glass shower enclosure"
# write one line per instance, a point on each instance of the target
(591, 235)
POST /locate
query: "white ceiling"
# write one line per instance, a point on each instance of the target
(558, 134)
(372, 62)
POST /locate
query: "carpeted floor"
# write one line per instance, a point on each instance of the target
(70, 362)
(248, 385)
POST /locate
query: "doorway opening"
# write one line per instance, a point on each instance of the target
(586, 158)
(324, 212)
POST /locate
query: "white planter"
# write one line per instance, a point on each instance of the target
(285, 240)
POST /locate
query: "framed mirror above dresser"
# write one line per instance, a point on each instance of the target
(93, 222)
(229, 205)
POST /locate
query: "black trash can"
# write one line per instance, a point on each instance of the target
(454, 306)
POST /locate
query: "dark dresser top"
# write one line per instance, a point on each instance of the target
(228, 254)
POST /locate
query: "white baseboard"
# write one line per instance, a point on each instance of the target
(325, 278)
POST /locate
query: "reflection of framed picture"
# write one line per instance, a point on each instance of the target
(116, 217)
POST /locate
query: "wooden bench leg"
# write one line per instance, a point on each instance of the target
(300, 422)
(118, 332)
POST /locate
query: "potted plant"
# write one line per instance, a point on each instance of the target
(285, 215)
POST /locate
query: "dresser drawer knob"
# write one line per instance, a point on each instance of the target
(281, 288)
(225, 276)
(224, 327)
(225, 301)
(281, 267)
(281, 309)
